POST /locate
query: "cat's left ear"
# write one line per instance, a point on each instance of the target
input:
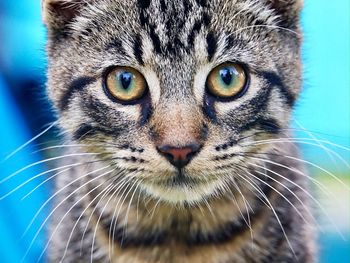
(288, 10)
(57, 14)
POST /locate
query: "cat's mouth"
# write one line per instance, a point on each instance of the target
(180, 178)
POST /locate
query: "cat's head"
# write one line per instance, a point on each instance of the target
(174, 93)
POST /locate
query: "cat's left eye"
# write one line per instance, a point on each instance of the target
(126, 84)
(227, 81)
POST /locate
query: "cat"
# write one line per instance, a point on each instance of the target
(177, 113)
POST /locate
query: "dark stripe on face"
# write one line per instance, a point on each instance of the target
(275, 81)
(82, 131)
(155, 39)
(208, 108)
(240, 119)
(108, 120)
(187, 7)
(194, 31)
(143, 4)
(146, 111)
(163, 6)
(234, 42)
(211, 45)
(197, 26)
(76, 85)
(87, 130)
(138, 52)
(144, 20)
(117, 45)
(268, 125)
(202, 3)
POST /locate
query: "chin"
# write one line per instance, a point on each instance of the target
(183, 192)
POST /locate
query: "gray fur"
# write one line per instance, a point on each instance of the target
(175, 44)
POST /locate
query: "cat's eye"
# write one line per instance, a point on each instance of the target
(126, 84)
(227, 81)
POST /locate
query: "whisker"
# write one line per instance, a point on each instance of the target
(321, 186)
(298, 140)
(58, 191)
(29, 142)
(118, 186)
(245, 204)
(65, 170)
(36, 176)
(66, 198)
(285, 187)
(104, 192)
(115, 217)
(273, 211)
(306, 192)
(129, 206)
(67, 212)
(310, 163)
(45, 161)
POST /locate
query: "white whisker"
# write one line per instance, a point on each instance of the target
(29, 142)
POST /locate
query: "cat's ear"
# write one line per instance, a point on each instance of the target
(58, 13)
(288, 10)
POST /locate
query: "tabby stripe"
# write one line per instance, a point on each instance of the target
(116, 44)
(276, 81)
(100, 114)
(76, 85)
(187, 7)
(231, 41)
(143, 4)
(87, 130)
(205, 20)
(163, 6)
(211, 45)
(225, 233)
(150, 27)
(155, 39)
(138, 52)
(269, 125)
(202, 3)
(194, 31)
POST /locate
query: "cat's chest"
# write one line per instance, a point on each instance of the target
(175, 249)
(177, 253)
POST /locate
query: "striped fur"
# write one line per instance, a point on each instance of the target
(237, 200)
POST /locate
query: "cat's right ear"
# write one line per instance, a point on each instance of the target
(57, 14)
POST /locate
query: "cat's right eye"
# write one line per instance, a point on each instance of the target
(125, 84)
(227, 81)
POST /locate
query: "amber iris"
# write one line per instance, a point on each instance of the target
(126, 84)
(227, 80)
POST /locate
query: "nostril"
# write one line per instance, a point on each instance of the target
(179, 156)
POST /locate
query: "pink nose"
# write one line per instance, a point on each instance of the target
(179, 156)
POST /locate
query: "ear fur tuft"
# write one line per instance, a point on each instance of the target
(289, 11)
(57, 14)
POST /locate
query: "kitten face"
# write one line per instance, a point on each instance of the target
(175, 45)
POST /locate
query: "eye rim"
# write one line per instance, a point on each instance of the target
(112, 97)
(243, 90)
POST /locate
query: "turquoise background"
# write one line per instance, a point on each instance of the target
(323, 109)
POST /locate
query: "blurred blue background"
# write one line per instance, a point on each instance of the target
(322, 109)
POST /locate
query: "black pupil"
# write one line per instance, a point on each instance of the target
(125, 79)
(226, 75)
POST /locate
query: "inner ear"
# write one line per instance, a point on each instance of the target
(59, 13)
